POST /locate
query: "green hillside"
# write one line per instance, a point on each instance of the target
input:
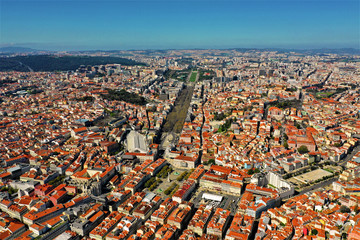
(39, 63)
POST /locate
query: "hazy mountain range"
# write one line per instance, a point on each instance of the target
(341, 51)
(17, 50)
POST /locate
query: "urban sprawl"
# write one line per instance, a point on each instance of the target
(195, 144)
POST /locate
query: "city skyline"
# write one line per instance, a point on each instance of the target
(124, 25)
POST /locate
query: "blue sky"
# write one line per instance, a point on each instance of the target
(148, 24)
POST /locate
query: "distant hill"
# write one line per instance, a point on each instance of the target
(16, 50)
(46, 63)
(164, 52)
(340, 51)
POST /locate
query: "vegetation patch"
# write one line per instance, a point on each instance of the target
(303, 149)
(57, 181)
(125, 96)
(252, 171)
(225, 126)
(48, 63)
(10, 190)
(86, 99)
(171, 188)
(206, 74)
(287, 104)
(165, 171)
(325, 93)
(329, 170)
(220, 116)
(174, 190)
(181, 75)
(153, 183)
(181, 176)
(193, 76)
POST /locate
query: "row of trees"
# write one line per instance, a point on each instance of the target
(152, 183)
(173, 187)
(57, 181)
(185, 175)
(165, 171)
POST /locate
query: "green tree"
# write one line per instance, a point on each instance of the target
(345, 209)
(343, 236)
(286, 145)
(356, 209)
(314, 232)
(211, 161)
(12, 190)
(327, 235)
(337, 145)
(286, 137)
(292, 89)
(150, 182)
(303, 149)
(250, 171)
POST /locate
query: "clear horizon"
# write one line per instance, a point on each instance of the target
(138, 25)
(175, 49)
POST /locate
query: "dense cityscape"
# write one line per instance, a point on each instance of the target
(182, 144)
